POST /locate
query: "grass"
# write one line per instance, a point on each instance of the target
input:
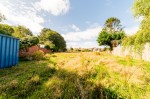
(77, 76)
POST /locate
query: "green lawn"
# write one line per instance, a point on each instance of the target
(77, 76)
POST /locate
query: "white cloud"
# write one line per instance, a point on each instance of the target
(132, 30)
(21, 12)
(55, 7)
(21, 15)
(74, 27)
(83, 39)
(88, 34)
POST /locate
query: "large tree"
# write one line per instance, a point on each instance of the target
(56, 40)
(43, 34)
(141, 8)
(112, 33)
(21, 31)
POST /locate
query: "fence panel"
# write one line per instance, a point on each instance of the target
(9, 51)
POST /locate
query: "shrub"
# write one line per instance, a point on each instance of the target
(29, 41)
(4, 32)
(38, 55)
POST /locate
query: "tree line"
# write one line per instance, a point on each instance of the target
(51, 39)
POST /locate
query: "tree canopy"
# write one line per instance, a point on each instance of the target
(21, 31)
(58, 42)
(7, 29)
(141, 8)
(113, 24)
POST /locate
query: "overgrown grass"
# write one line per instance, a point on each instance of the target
(77, 76)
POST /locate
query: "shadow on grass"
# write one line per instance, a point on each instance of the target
(39, 80)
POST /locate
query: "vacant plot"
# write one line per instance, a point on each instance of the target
(77, 76)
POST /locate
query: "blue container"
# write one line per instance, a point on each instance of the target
(9, 51)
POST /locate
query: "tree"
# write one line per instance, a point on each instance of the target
(7, 28)
(104, 38)
(112, 33)
(43, 33)
(21, 31)
(49, 45)
(112, 25)
(141, 8)
(4, 32)
(59, 44)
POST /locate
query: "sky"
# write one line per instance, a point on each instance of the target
(78, 21)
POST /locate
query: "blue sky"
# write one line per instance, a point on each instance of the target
(79, 21)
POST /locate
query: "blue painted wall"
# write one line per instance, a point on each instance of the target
(9, 51)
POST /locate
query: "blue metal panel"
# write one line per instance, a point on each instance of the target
(9, 50)
(14, 48)
(0, 50)
(3, 51)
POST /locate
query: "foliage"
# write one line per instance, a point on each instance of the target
(7, 28)
(112, 33)
(112, 24)
(43, 32)
(141, 8)
(21, 31)
(49, 45)
(28, 41)
(59, 44)
(33, 40)
(58, 40)
(38, 55)
(104, 38)
(4, 32)
(109, 39)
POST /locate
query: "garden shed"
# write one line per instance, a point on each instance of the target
(9, 50)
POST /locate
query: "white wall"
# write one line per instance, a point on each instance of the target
(119, 51)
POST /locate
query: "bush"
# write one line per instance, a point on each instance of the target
(38, 55)
(29, 41)
(4, 32)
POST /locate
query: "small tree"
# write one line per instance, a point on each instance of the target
(112, 33)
